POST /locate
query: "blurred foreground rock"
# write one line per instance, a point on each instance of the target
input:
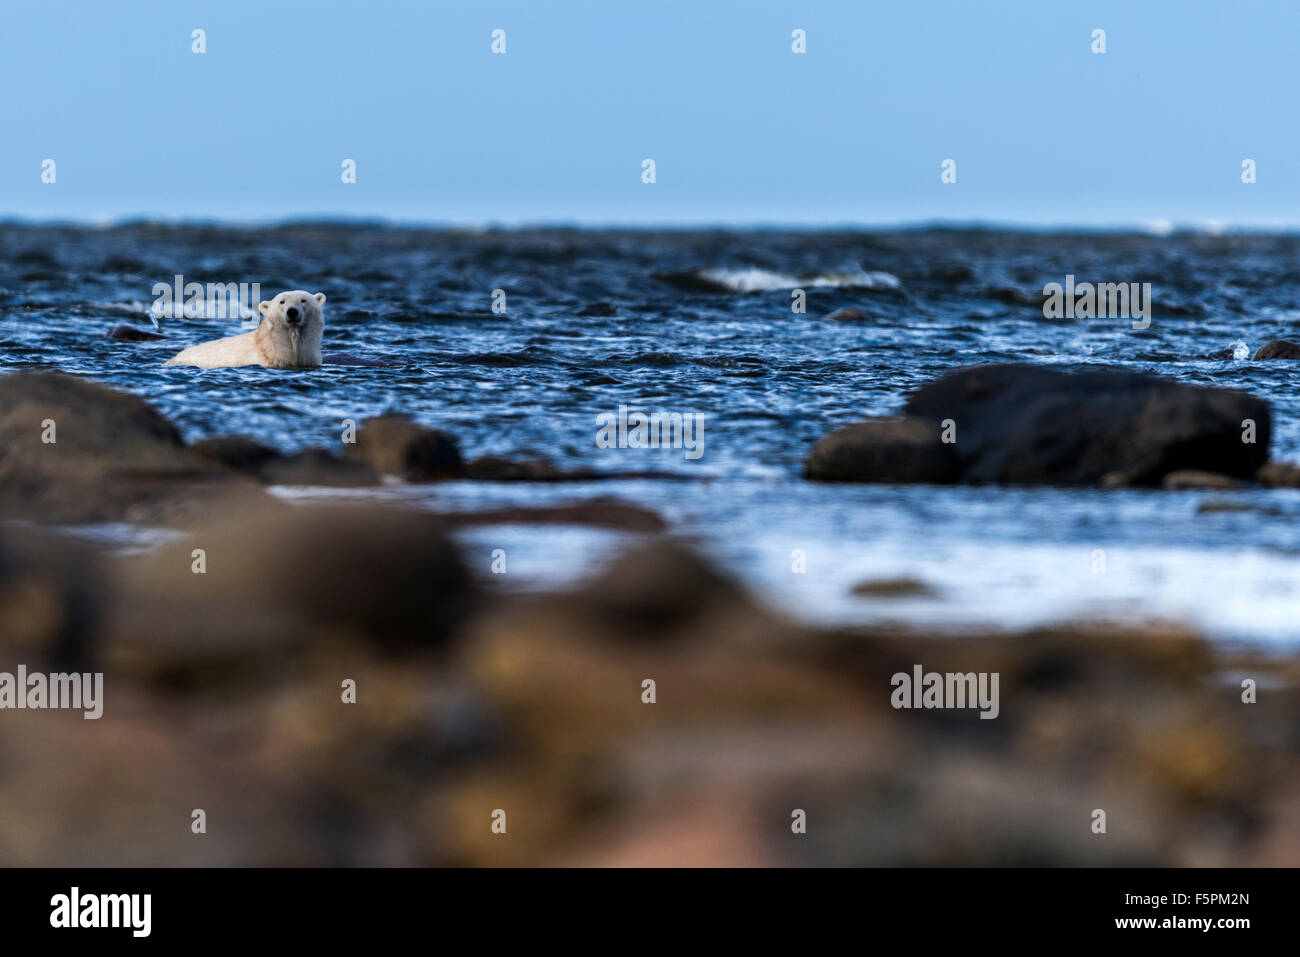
(395, 445)
(223, 691)
(75, 451)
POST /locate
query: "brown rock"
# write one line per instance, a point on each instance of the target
(1279, 475)
(395, 445)
(1194, 479)
(238, 452)
(893, 588)
(1278, 349)
(660, 587)
(883, 450)
(596, 513)
(847, 314)
(284, 578)
(112, 455)
(494, 468)
(318, 467)
(51, 594)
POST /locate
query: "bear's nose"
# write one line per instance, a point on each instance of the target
(292, 313)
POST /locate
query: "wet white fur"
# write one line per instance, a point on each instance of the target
(275, 343)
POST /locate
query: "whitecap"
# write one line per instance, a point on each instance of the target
(754, 279)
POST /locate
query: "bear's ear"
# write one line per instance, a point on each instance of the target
(263, 306)
(320, 298)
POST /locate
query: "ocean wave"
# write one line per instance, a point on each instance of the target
(754, 279)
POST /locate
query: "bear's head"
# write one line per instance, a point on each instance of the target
(294, 309)
(291, 328)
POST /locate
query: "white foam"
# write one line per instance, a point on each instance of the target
(764, 280)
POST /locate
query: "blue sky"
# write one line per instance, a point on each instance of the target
(742, 130)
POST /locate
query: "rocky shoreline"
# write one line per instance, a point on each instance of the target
(222, 692)
(111, 457)
(225, 688)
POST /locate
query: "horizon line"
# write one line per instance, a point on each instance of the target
(1158, 227)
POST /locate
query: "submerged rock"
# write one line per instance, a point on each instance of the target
(361, 362)
(1195, 479)
(125, 333)
(494, 468)
(847, 314)
(903, 587)
(594, 513)
(884, 450)
(271, 467)
(1278, 349)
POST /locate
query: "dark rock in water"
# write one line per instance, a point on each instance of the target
(346, 359)
(112, 456)
(596, 513)
(893, 588)
(1034, 425)
(127, 333)
(238, 452)
(847, 314)
(318, 467)
(271, 467)
(1279, 475)
(1222, 506)
(599, 309)
(1278, 349)
(884, 450)
(494, 468)
(395, 445)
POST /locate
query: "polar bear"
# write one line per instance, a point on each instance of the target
(288, 337)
